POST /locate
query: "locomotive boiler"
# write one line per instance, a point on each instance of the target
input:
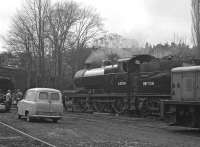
(137, 83)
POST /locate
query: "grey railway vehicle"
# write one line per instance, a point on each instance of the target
(184, 105)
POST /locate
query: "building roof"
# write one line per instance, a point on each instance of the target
(186, 69)
(44, 89)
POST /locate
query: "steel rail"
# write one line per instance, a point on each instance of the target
(27, 135)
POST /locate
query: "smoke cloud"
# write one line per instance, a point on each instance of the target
(99, 55)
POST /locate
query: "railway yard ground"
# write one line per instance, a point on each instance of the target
(94, 130)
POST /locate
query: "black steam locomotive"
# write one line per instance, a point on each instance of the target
(133, 84)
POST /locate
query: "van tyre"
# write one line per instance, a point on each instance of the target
(19, 116)
(28, 118)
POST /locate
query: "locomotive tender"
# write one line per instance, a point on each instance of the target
(137, 83)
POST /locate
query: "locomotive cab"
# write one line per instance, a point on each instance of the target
(123, 65)
(128, 65)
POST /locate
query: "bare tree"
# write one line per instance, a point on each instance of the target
(196, 24)
(87, 28)
(36, 13)
(61, 18)
(42, 34)
(18, 40)
(70, 29)
(28, 35)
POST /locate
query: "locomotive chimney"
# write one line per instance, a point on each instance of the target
(87, 65)
(106, 63)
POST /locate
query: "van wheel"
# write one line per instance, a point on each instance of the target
(55, 120)
(28, 119)
(19, 116)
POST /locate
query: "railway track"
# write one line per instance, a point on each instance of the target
(76, 129)
(11, 136)
(149, 123)
(131, 122)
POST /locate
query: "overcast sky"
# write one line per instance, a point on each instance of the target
(155, 21)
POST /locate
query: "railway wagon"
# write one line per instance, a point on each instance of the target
(133, 84)
(185, 102)
(12, 78)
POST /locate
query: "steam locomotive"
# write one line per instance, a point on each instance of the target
(135, 84)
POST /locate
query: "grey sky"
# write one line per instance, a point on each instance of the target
(154, 21)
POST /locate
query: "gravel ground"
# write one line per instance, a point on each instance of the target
(88, 130)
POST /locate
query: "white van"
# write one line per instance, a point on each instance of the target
(41, 103)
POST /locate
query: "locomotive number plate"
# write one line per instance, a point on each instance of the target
(148, 83)
(122, 83)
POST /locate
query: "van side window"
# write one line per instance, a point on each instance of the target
(54, 96)
(43, 96)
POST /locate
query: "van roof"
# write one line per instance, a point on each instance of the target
(43, 89)
(185, 69)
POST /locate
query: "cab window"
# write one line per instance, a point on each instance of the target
(54, 96)
(30, 96)
(43, 96)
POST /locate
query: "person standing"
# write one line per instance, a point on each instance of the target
(19, 95)
(8, 100)
(1, 96)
